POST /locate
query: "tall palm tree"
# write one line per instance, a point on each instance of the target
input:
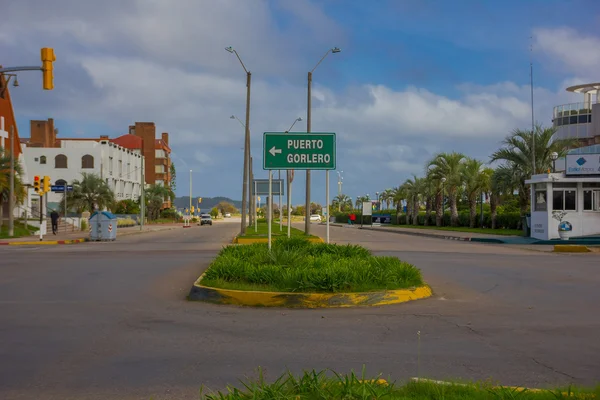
(501, 184)
(449, 166)
(398, 195)
(342, 202)
(517, 152)
(89, 193)
(20, 192)
(428, 190)
(473, 180)
(387, 197)
(413, 189)
(155, 196)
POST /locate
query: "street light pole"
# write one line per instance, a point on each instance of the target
(246, 189)
(11, 199)
(190, 195)
(308, 130)
(251, 197)
(289, 190)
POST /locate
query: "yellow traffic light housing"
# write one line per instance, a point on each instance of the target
(46, 184)
(36, 184)
(48, 58)
(199, 200)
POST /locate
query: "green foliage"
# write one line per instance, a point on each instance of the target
(155, 196)
(20, 191)
(20, 230)
(169, 213)
(330, 385)
(127, 207)
(84, 225)
(297, 265)
(226, 207)
(89, 192)
(125, 222)
(173, 183)
(214, 212)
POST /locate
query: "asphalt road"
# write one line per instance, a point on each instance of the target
(110, 320)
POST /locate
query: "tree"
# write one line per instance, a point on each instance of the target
(450, 167)
(342, 202)
(413, 189)
(516, 153)
(226, 207)
(173, 182)
(155, 196)
(20, 192)
(127, 207)
(214, 212)
(473, 180)
(89, 193)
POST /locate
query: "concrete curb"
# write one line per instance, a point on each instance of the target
(239, 240)
(430, 235)
(571, 248)
(44, 243)
(304, 300)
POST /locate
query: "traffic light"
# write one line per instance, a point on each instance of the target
(48, 58)
(46, 184)
(199, 200)
(192, 209)
(36, 184)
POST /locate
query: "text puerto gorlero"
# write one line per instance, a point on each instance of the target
(299, 150)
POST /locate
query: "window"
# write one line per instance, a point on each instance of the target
(110, 165)
(43, 160)
(591, 200)
(564, 199)
(541, 197)
(120, 168)
(60, 161)
(60, 182)
(87, 162)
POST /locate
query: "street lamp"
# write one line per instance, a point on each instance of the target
(289, 179)
(308, 129)
(245, 186)
(443, 200)
(252, 211)
(554, 157)
(11, 194)
(340, 179)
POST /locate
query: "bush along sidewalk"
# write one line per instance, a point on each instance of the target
(297, 265)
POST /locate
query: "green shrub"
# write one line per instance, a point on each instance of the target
(169, 213)
(125, 222)
(297, 265)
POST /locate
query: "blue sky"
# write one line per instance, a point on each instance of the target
(414, 77)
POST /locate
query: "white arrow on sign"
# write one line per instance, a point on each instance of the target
(274, 151)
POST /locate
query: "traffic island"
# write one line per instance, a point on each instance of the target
(259, 234)
(297, 273)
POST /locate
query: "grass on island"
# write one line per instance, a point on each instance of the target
(296, 265)
(488, 231)
(20, 230)
(263, 230)
(332, 386)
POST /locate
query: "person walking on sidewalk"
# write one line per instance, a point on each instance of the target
(54, 217)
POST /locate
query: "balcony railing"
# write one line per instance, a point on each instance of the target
(573, 113)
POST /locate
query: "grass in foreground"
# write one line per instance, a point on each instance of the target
(296, 265)
(488, 231)
(263, 230)
(320, 385)
(20, 230)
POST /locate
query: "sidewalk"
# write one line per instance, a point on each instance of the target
(81, 236)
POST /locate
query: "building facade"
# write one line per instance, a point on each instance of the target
(580, 120)
(120, 167)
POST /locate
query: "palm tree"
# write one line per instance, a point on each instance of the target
(501, 184)
(398, 195)
(473, 180)
(20, 192)
(413, 189)
(342, 202)
(517, 156)
(449, 166)
(155, 196)
(90, 193)
(428, 188)
(387, 196)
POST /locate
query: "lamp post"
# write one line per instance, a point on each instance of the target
(289, 179)
(245, 186)
(251, 211)
(190, 195)
(554, 157)
(340, 178)
(11, 193)
(308, 130)
(443, 200)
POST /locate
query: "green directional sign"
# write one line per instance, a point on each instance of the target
(298, 150)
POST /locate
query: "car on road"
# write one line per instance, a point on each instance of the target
(227, 215)
(315, 218)
(205, 219)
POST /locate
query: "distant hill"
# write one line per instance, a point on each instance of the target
(207, 202)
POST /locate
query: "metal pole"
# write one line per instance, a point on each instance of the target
(289, 205)
(532, 122)
(245, 185)
(251, 197)
(308, 127)
(270, 208)
(327, 200)
(11, 199)
(41, 216)
(142, 190)
(254, 207)
(280, 213)
(65, 207)
(190, 194)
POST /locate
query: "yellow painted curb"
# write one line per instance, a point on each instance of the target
(571, 248)
(250, 240)
(305, 300)
(46, 243)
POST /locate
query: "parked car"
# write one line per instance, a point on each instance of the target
(315, 218)
(205, 219)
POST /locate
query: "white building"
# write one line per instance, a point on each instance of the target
(580, 120)
(119, 166)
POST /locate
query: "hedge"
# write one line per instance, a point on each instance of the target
(507, 220)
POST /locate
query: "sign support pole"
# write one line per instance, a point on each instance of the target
(327, 200)
(270, 208)
(280, 213)
(289, 205)
(255, 207)
(41, 216)
(65, 207)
